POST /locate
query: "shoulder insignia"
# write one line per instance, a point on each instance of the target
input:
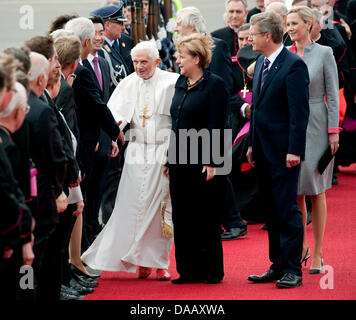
(107, 48)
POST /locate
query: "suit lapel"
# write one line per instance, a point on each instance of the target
(103, 73)
(275, 67)
(86, 63)
(257, 81)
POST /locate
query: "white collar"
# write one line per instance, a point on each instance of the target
(90, 57)
(110, 42)
(274, 55)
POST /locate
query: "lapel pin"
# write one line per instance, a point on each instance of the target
(123, 44)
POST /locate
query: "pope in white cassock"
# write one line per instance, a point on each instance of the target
(135, 234)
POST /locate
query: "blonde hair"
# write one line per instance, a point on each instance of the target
(197, 44)
(51, 83)
(305, 13)
(68, 49)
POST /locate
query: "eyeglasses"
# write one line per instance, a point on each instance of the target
(255, 34)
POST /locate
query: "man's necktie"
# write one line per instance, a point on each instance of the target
(116, 46)
(97, 72)
(265, 71)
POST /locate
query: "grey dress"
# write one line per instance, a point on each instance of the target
(323, 81)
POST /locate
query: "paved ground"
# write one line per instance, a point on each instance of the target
(22, 19)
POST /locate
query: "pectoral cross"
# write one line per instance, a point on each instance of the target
(244, 91)
(144, 116)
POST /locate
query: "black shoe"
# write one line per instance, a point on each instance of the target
(269, 276)
(183, 280)
(71, 292)
(85, 282)
(67, 296)
(213, 281)
(234, 233)
(289, 280)
(78, 272)
(78, 287)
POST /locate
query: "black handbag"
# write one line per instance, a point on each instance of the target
(325, 160)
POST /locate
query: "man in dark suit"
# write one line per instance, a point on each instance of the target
(93, 113)
(100, 70)
(117, 45)
(47, 152)
(236, 16)
(116, 51)
(279, 119)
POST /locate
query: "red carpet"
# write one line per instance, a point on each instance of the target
(250, 255)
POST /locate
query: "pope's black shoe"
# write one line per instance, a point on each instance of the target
(269, 276)
(289, 280)
(234, 233)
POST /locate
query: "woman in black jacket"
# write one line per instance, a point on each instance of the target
(199, 110)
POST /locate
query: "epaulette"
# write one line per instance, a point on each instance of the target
(107, 48)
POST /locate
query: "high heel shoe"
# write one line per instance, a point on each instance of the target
(306, 257)
(144, 272)
(317, 271)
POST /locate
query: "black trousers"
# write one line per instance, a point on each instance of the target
(197, 210)
(87, 157)
(278, 185)
(231, 213)
(91, 215)
(53, 260)
(10, 275)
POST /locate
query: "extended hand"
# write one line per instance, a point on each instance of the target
(114, 149)
(292, 160)
(80, 207)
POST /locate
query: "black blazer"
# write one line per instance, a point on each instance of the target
(228, 35)
(72, 173)
(93, 112)
(16, 159)
(104, 140)
(203, 107)
(280, 110)
(46, 150)
(12, 203)
(66, 105)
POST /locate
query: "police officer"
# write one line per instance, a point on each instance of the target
(117, 46)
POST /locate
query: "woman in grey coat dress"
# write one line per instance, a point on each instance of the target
(322, 128)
